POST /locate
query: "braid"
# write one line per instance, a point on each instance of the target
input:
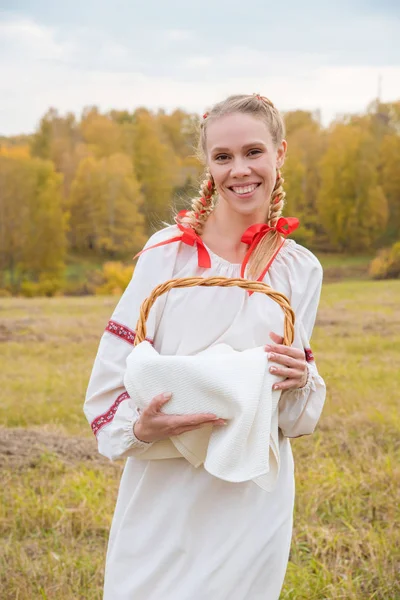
(201, 207)
(271, 242)
(277, 200)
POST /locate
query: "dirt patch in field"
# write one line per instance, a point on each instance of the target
(22, 329)
(23, 447)
(344, 323)
(57, 330)
(339, 273)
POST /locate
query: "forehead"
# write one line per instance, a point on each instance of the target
(235, 131)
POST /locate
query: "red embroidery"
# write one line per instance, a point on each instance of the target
(309, 355)
(123, 332)
(108, 416)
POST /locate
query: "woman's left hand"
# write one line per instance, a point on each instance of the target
(293, 364)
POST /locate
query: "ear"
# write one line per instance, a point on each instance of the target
(281, 154)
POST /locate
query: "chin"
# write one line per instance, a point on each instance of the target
(250, 208)
(246, 208)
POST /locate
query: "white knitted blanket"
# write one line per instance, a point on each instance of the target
(236, 386)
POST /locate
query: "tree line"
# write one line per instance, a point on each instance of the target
(96, 187)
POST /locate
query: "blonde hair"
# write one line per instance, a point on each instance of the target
(202, 206)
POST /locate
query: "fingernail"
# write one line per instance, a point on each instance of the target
(271, 355)
(275, 387)
(268, 347)
(272, 369)
(167, 396)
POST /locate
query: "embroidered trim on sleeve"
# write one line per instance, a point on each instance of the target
(108, 416)
(309, 355)
(123, 332)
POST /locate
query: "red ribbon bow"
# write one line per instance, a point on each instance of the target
(254, 234)
(189, 237)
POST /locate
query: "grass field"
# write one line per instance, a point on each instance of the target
(58, 494)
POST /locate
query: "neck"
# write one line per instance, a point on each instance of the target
(229, 225)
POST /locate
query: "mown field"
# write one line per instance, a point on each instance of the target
(58, 494)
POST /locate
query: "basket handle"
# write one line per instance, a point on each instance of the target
(255, 286)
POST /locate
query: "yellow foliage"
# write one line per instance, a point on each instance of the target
(115, 277)
(105, 203)
(45, 287)
(387, 264)
(101, 133)
(15, 151)
(352, 205)
(156, 167)
(32, 230)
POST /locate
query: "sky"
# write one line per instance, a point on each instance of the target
(311, 55)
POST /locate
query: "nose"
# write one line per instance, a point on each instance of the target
(240, 167)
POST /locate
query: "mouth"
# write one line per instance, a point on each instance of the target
(244, 190)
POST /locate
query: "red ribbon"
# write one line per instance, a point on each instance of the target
(189, 237)
(252, 237)
(254, 234)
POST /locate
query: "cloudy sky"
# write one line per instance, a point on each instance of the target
(311, 54)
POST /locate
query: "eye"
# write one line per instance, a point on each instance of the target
(221, 157)
(255, 152)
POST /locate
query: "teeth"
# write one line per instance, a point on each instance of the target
(245, 190)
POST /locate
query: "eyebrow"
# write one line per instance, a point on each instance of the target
(250, 145)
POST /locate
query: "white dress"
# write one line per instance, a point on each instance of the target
(179, 533)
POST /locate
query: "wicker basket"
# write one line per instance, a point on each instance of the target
(185, 282)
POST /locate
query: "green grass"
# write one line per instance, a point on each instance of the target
(342, 260)
(338, 267)
(58, 495)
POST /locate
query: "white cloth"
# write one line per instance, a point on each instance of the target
(179, 533)
(236, 386)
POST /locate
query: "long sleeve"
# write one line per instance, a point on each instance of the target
(108, 408)
(300, 409)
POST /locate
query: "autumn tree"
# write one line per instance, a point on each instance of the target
(306, 143)
(32, 223)
(59, 139)
(180, 130)
(101, 134)
(390, 181)
(156, 168)
(351, 203)
(105, 205)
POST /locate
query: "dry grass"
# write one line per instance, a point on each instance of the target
(58, 495)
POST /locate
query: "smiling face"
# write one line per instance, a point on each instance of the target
(243, 158)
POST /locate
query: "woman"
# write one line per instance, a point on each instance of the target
(179, 533)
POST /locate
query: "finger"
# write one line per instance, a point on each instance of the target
(276, 338)
(158, 402)
(286, 350)
(191, 420)
(287, 372)
(180, 430)
(288, 361)
(288, 384)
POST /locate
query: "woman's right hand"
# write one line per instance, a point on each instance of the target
(154, 425)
